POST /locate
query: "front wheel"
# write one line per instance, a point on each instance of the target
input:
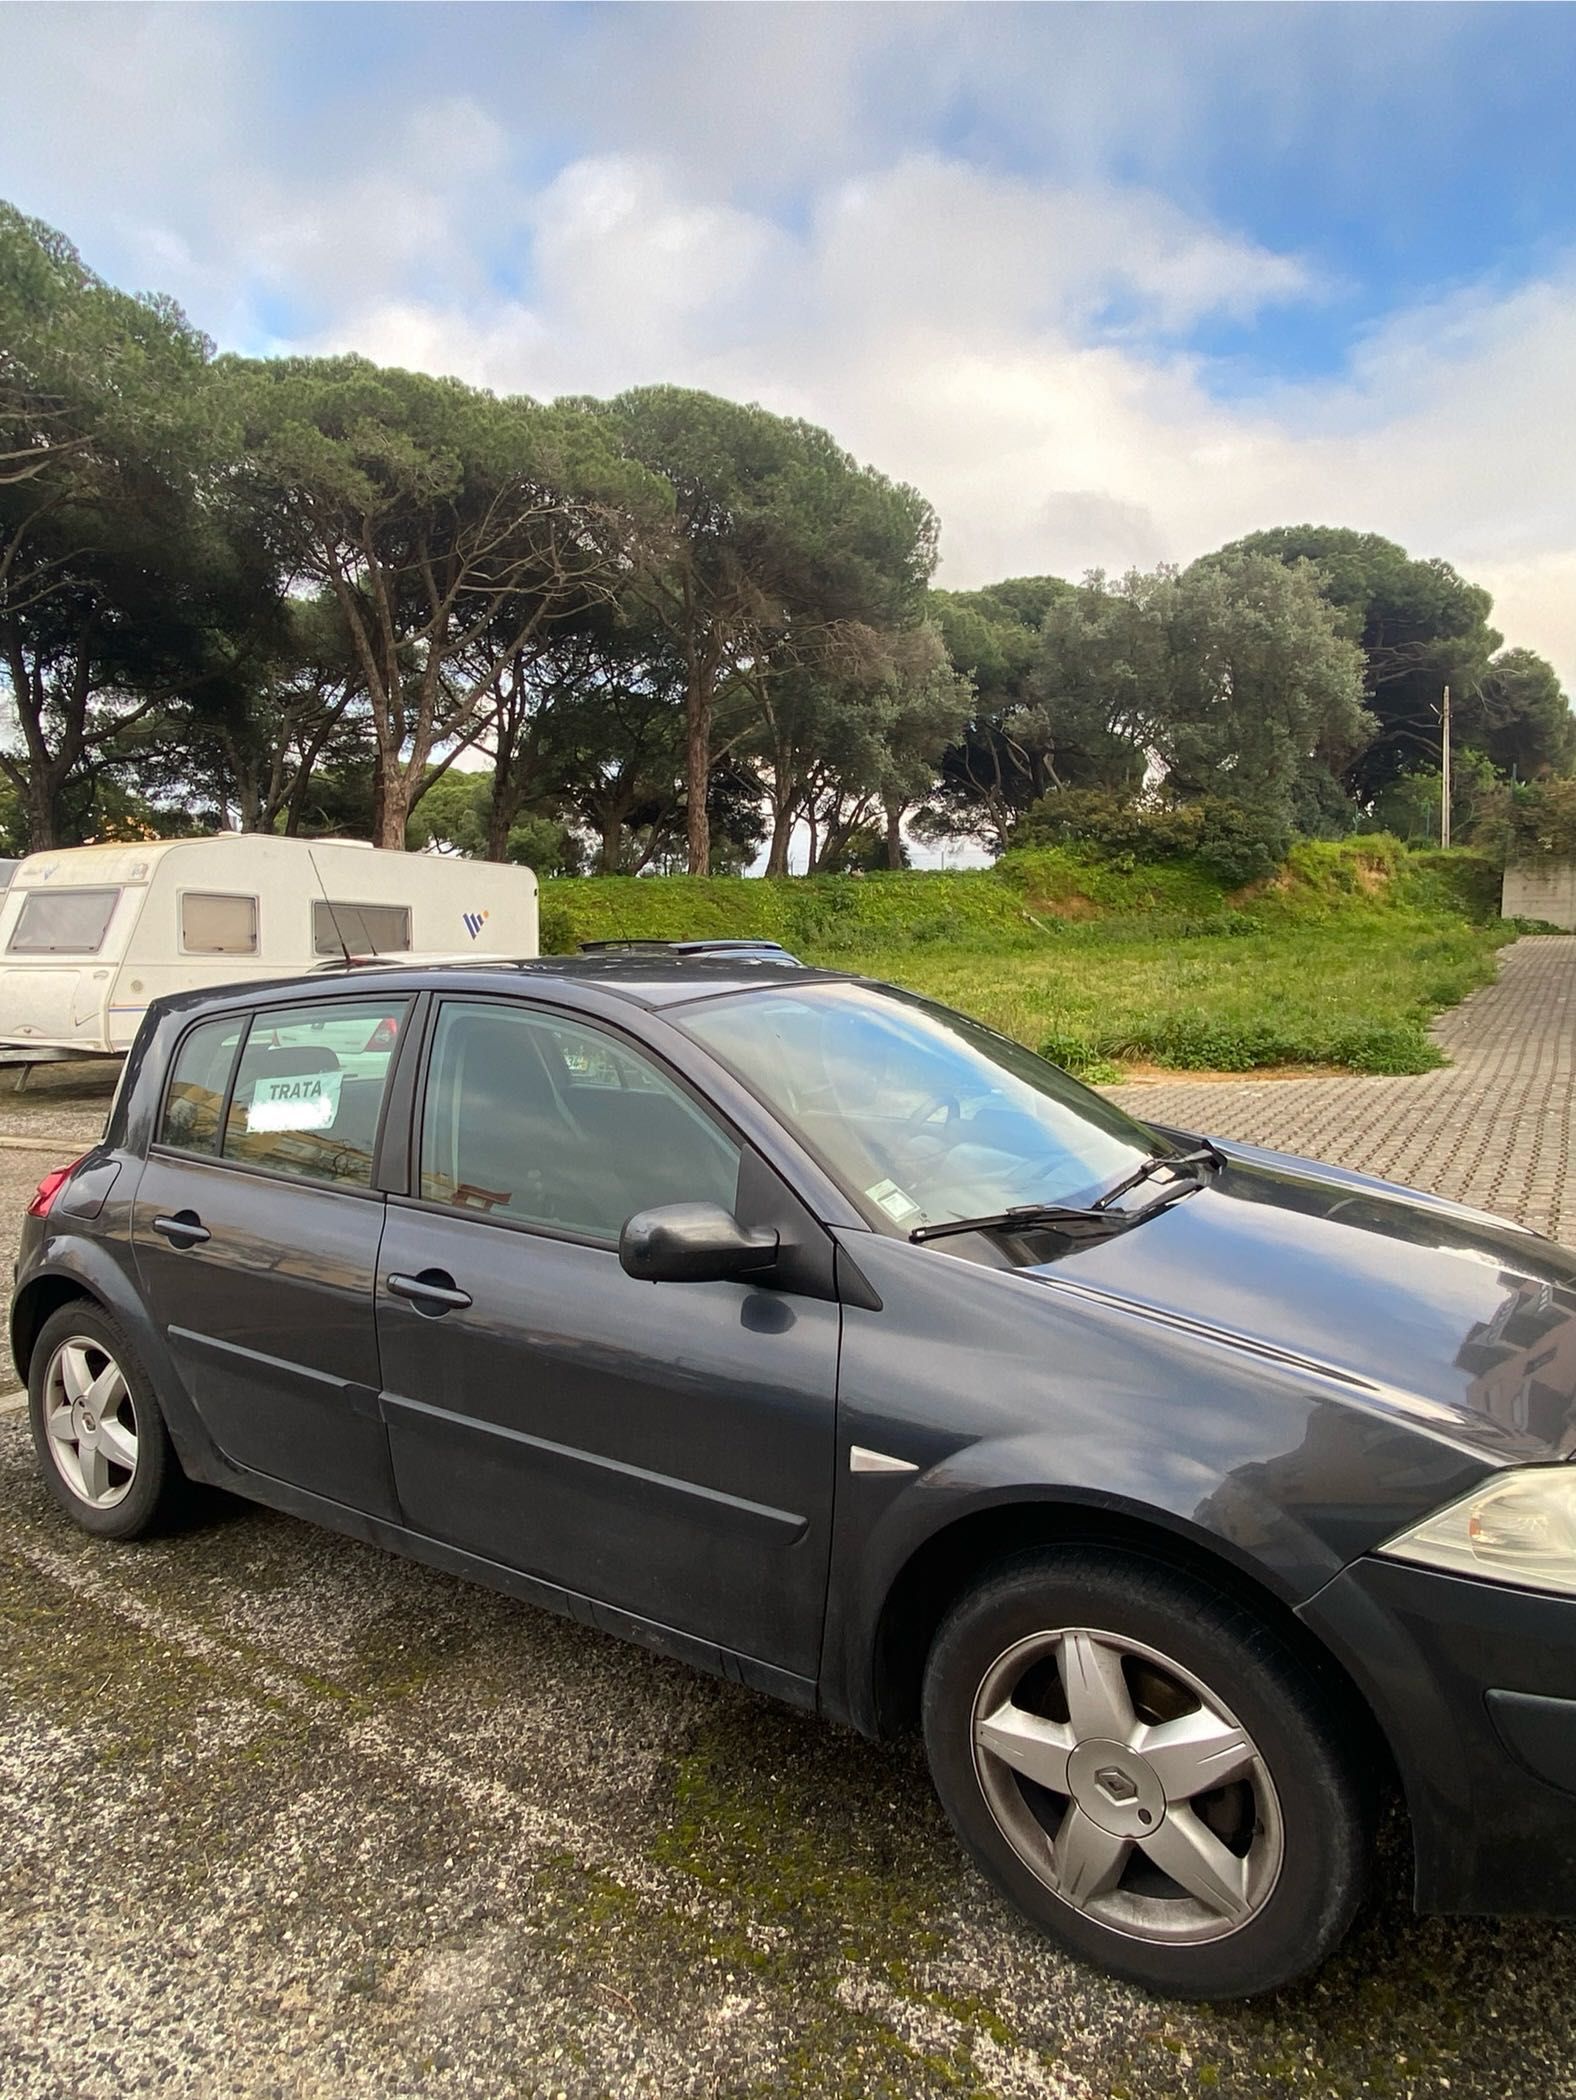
(1145, 1770)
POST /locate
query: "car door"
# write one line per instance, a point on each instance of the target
(256, 1231)
(665, 1449)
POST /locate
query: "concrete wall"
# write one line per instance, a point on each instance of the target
(1541, 889)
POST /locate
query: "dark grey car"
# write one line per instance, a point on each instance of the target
(1189, 1495)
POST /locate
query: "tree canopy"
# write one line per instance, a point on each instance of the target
(315, 593)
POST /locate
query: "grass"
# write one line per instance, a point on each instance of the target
(1341, 959)
(1358, 998)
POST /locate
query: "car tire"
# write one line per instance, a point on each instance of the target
(105, 1453)
(1148, 1772)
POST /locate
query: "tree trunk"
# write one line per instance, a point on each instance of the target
(248, 800)
(499, 825)
(391, 799)
(697, 770)
(782, 838)
(502, 809)
(894, 834)
(43, 830)
(612, 843)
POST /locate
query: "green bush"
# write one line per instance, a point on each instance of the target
(1543, 819)
(1235, 841)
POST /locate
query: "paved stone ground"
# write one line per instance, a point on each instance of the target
(284, 1819)
(1496, 1128)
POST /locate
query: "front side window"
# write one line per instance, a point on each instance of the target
(217, 925)
(62, 922)
(199, 1080)
(360, 929)
(546, 1121)
(923, 1114)
(309, 1089)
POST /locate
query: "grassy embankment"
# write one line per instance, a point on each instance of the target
(1341, 959)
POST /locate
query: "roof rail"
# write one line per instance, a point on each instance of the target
(742, 950)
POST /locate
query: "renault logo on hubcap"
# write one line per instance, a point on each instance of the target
(1112, 1784)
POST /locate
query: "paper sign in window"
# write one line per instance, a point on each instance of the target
(296, 1101)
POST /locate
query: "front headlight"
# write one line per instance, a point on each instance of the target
(1516, 1527)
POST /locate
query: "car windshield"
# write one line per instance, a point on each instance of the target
(919, 1112)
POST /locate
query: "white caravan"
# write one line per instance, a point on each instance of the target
(90, 934)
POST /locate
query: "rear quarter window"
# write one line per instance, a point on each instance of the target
(199, 1080)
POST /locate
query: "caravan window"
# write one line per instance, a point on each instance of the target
(215, 925)
(360, 929)
(62, 922)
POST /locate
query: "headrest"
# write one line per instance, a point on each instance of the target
(288, 1063)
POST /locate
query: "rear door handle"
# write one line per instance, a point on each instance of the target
(432, 1292)
(185, 1229)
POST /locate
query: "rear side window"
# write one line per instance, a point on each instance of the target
(212, 924)
(362, 929)
(199, 1080)
(309, 1089)
(62, 922)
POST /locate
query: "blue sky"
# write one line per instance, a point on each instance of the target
(1110, 284)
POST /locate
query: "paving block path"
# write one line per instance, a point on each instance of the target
(1495, 1128)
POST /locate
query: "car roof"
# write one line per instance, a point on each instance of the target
(642, 978)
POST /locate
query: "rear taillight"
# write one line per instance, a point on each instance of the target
(384, 1036)
(49, 1188)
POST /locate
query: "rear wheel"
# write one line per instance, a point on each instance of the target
(101, 1440)
(1146, 1771)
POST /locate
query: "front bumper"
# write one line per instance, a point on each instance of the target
(1474, 1687)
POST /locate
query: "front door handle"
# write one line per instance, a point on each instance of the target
(432, 1292)
(185, 1229)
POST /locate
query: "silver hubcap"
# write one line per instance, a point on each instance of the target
(1126, 1786)
(91, 1423)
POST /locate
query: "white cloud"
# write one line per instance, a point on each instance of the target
(754, 200)
(942, 323)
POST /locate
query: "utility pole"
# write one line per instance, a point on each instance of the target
(1444, 771)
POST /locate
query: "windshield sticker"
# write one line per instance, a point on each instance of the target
(303, 1101)
(898, 1206)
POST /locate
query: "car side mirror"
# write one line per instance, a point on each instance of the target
(691, 1243)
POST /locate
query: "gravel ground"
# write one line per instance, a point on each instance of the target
(282, 1818)
(285, 1817)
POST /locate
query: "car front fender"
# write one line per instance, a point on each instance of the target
(975, 1402)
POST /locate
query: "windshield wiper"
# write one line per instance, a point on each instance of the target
(1089, 1222)
(1205, 1155)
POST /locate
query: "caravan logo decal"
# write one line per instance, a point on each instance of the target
(474, 921)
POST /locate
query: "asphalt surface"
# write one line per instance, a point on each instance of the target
(283, 1816)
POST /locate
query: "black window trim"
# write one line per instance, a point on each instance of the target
(249, 1016)
(411, 1198)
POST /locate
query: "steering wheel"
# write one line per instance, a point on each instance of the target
(927, 1108)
